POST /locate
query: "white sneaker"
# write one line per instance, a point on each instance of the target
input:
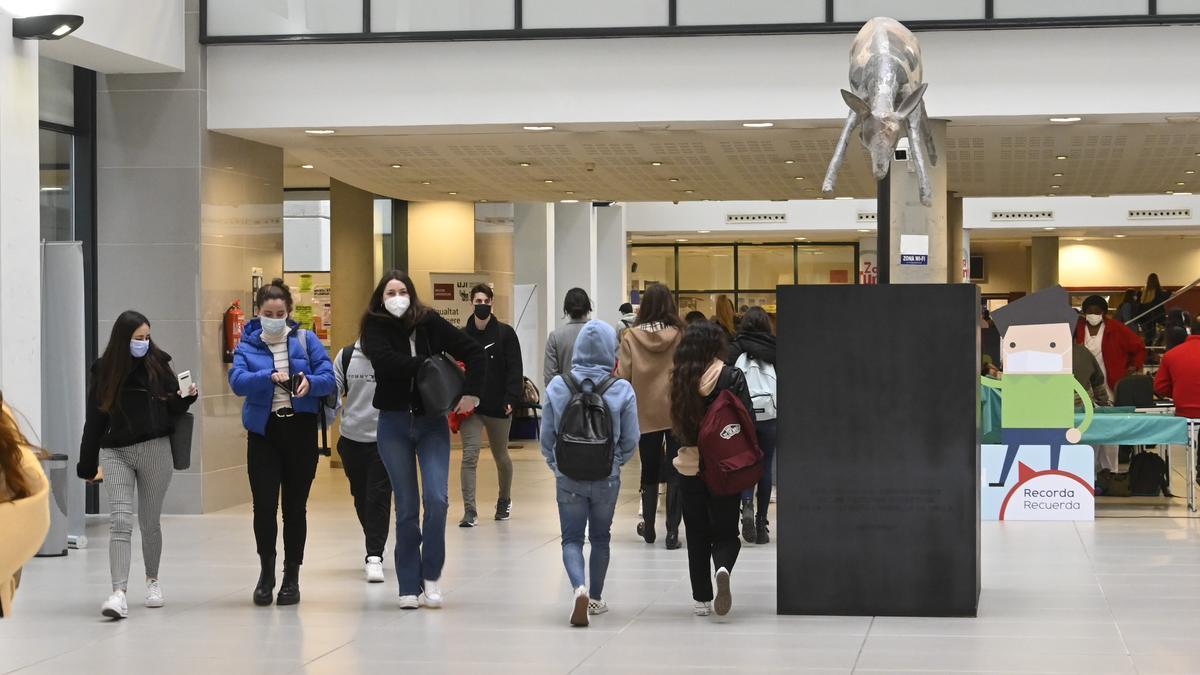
(579, 611)
(374, 569)
(597, 607)
(154, 594)
(702, 608)
(410, 602)
(724, 600)
(115, 607)
(432, 597)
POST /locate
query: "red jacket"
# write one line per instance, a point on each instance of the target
(1121, 349)
(1179, 377)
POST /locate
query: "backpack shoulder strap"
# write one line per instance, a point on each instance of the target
(604, 385)
(571, 382)
(347, 356)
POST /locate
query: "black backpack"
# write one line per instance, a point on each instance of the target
(1148, 475)
(584, 448)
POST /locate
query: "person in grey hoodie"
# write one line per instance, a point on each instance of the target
(577, 306)
(589, 505)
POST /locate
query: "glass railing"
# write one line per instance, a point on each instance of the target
(266, 21)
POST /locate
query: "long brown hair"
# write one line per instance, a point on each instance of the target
(13, 478)
(725, 314)
(416, 310)
(701, 344)
(658, 306)
(117, 363)
(1152, 289)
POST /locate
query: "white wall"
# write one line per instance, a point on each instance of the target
(117, 36)
(971, 74)
(20, 256)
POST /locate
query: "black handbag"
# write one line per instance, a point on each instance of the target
(440, 382)
(181, 441)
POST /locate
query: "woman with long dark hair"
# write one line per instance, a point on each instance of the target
(398, 335)
(698, 377)
(726, 316)
(24, 506)
(1153, 295)
(753, 352)
(283, 372)
(646, 353)
(131, 405)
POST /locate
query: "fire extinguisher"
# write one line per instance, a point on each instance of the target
(234, 321)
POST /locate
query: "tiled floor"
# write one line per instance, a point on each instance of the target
(1121, 595)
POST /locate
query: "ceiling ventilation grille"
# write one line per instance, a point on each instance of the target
(868, 217)
(1006, 216)
(743, 218)
(1160, 214)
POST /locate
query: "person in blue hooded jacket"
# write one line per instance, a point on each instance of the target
(283, 373)
(589, 505)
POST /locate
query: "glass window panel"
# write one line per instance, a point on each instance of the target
(284, 17)
(826, 265)
(764, 300)
(1179, 6)
(592, 14)
(56, 92)
(1020, 9)
(705, 303)
(908, 10)
(384, 248)
(703, 268)
(724, 12)
(55, 195)
(402, 16)
(765, 266)
(650, 264)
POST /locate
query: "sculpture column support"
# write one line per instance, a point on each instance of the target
(883, 226)
(926, 225)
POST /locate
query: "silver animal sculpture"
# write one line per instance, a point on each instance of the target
(886, 101)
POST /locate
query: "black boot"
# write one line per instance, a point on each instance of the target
(289, 590)
(760, 524)
(749, 533)
(674, 514)
(265, 590)
(649, 506)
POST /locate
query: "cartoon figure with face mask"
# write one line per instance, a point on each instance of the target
(1039, 389)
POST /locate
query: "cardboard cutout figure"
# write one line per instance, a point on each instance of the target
(1039, 387)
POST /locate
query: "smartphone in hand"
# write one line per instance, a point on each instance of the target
(185, 383)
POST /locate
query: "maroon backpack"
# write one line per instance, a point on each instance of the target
(730, 459)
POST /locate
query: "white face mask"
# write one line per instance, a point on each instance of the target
(1094, 319)
(273, 326)
(1033, 362)
(396, 305)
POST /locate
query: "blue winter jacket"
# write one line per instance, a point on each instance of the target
(253, 366)
(594, 357)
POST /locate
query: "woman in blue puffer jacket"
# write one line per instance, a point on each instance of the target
(283, 372)
(589, 504)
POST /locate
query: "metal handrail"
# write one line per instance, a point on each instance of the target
(1171, 297)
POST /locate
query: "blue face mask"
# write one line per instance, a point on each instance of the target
(273, 326)
(139, 348)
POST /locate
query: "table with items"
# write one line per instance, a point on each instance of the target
(1113, 426)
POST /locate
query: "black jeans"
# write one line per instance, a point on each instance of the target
(657, 450)
(712, 533)
(284, 460)
(372, 491)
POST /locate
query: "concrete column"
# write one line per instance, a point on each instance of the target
(611, 273)
(1043, 263)
(868, 260)
(911, 218)
(574, 251)
(958, 260)
(351, 242)
(441, 238)
(534, 265)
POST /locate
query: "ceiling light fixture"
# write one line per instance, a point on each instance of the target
(655, 163)
(538, 127)
(1065, 119)
(1057, 175)
(525, 164)
(1049, 229)
(306, 166)
(758, 125)
(1170, 192)
(1051, 195)
(451, 193)
(801, 238)
(681, 241)
(864, 231)
(483, 201)
(320, 132)
(672, 180)
(46, 26)
(798, 178)
(1118, 236)
(703, 231)
(789, 161)
(1180, 184)
(570, 192)
(1190, 171)
(688, 191)
(843, 198)
(426, 182)
(1055, 187)
(397, 166)
(548, 181)
(1061, 157)
(53, 188)
(1182, 193)
(569, 201)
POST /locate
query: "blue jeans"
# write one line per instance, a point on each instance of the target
(587, 505)
(404, 440)
(767, 431)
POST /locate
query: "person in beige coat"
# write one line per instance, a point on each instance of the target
(646, 354)
(24, 507)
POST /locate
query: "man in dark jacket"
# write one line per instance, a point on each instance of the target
(503, 390)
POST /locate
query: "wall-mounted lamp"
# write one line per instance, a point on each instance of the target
(46, 26)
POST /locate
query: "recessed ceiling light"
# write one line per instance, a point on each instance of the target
(1049, 229)
(525, 164)
(672, 180)
(483, 201)
(426, 182)
(1182, 193)
(306, 166)
(789, 161)
(798, 178)
(1170, 192)
(538, 127)
(864, 231)
(801, 238)
(1078, 238)
(1181, 184)
(820, 198)
(682, 241)
(1055, 187)
(451, 193)
(703, 231)
(655, 163)
(568, 201)
(1051, 195)
(758, 125)
(320, 132)
(1061, 157)
(843, 198)
(1057, 175)
(1065, 119)
(52, 188)
(570, 192)
(1190, 171)
(1119, 236)
(397, 166)
(548, 181)
(688, 191)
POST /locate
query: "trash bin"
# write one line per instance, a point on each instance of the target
(55, 467)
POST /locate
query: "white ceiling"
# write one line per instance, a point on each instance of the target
(992, 157)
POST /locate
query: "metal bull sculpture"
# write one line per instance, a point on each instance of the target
(886, 101)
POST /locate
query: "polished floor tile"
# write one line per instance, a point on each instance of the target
(1121, 595)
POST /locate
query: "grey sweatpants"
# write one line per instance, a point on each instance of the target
(472, 438)
(148, 466)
